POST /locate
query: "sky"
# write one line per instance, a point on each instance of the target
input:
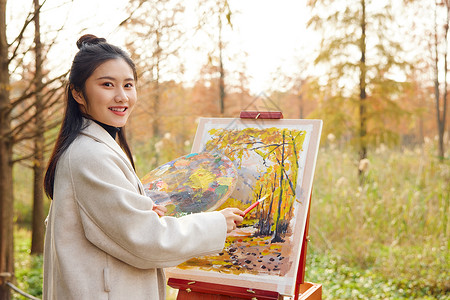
(272, 33)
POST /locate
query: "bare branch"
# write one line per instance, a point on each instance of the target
(32, 135)
(19, 38)
(28, 95)
(20, 127)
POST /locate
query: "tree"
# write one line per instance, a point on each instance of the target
(440, 49)
(16, 121)
(33, 114)
(38, 229)
(216, 15)
(363, 52)
(6, 183)
(156, 26)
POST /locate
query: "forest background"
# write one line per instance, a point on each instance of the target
(374, 71)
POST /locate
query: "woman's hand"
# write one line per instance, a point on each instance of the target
(233, 217)
(159, 209)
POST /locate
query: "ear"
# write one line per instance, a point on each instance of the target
(78, 96)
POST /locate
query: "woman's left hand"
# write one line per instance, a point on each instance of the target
(159, 209)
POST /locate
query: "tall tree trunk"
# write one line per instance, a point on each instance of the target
(6, 182)
(362, 88)
(442, 120)
(38, 229)
(300, 101)
(156, 99)
(436, 68)
(221, 71)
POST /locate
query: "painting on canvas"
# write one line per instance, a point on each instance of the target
(274, 158)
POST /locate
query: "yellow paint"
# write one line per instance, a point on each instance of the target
(201, 179)
(228, 181)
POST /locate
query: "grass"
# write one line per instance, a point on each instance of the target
(392, 229)
(28, 268)
(384, 239)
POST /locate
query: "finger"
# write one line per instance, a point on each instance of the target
(237, 211)
(162, 208)
(159, 213)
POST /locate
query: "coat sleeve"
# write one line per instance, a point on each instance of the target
(121, 222)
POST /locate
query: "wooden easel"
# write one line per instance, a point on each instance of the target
(197, 290)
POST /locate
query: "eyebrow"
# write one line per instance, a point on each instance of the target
(112, 78)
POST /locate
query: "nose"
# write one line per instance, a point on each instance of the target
(121, 95)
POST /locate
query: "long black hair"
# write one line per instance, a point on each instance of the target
(93, 52)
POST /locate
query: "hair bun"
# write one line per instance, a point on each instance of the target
(89, 39)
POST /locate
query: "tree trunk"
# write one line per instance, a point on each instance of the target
(441, 121)
(6, 182)
(221, 71)
(38, 228)
(300, 101)
(156, 100)
(362, 89)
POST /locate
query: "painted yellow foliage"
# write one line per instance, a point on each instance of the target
(279, 150)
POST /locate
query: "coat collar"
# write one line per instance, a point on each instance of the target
(98, 133)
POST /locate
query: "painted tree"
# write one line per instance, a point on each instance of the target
(279, 151)
(362, 49)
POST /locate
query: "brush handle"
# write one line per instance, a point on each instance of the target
(251, 207)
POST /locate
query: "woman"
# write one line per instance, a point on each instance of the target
(105, 239)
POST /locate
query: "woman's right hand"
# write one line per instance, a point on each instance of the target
(233, 216)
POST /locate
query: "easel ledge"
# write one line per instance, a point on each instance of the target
(197, 290)
(188, 290)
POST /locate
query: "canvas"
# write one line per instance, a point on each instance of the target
(275, 158)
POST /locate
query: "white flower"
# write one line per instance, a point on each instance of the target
(364, 164)
(341, 181)
(381, 149)
(158, 146)
(331, 138)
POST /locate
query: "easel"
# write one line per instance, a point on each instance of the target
(190, 290)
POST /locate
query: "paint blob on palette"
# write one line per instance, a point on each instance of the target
(193, 183)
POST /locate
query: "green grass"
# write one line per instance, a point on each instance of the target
(385, 239)
(393, 229)
(28, 268)
(342, 281)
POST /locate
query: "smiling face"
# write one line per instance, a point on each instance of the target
(109, 93)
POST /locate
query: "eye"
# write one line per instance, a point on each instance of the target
(129, 85)
(108, 84)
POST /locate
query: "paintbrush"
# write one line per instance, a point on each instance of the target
(254, 204)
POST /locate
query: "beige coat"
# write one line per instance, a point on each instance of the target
(103, 241)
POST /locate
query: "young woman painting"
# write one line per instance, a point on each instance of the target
(105, 239)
